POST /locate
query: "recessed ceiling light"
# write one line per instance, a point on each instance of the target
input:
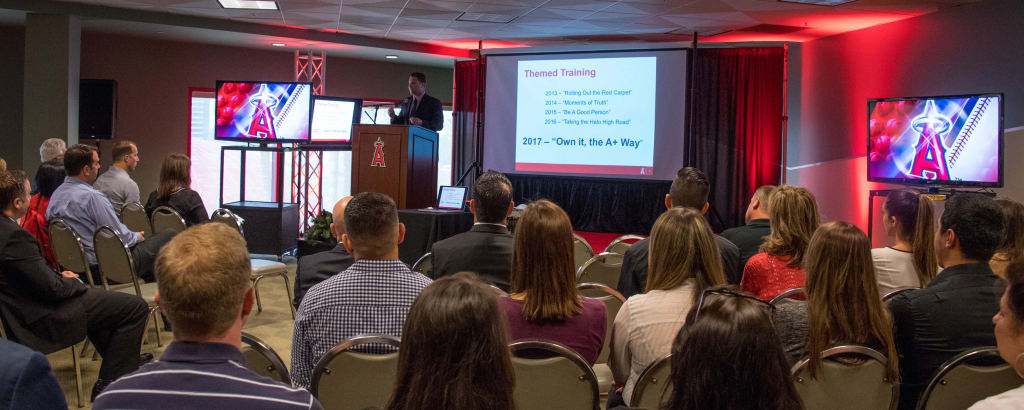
(391, 57)
(249, 4)
(819, 2)
(278, 44)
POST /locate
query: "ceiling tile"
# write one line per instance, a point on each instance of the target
(367, 20)
(578, 4)
(412, 22)
(431, 14)
(642, 8)
(439, 5)
(620, 18)
(361, 11)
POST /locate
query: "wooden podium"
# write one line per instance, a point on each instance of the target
(397, 160)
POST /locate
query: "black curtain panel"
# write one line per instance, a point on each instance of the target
(468, 106)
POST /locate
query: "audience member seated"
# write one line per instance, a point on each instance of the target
(115, 183)
(794, 217)
(48, 177)
(690, 189)
(85, 210)
(48, 311)
(684, 261)
(727, 356)
(174, 191)
(842, 306)
(454, 352)
(748, 238)
(1009, 332)
(52, 149)
(909, 221)
(204, 290)
(1012, 246)
(371, 296)
(315, 268)
(487, 248)
(954, 312)
(544, 303)
(26, 381)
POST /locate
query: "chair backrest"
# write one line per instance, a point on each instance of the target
(859, 383)
(425, 264)
(622, 243)
(582, 251)
(114, 259)
(962, 380)
(652, 388)
(790, 295)
(229, 218)
(888, 296)
(345, 379)
(560, 380)
(133, 215)
(613, 301)
(68, 249)
(166, 218)
(603, 268)
(262, 359)
(498, 291)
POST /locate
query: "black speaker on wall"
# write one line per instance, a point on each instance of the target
(97, 109)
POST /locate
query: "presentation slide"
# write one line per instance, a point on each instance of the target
(586, 116)
(332, 120)
(606, 114)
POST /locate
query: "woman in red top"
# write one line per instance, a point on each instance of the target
(793, 213)
(49, 176)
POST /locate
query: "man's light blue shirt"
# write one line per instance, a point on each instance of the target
(85, 210)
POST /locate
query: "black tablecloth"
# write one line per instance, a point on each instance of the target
(424, 227)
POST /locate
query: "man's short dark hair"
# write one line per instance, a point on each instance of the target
(977, 222)
(121, 149)
(77, 158)
(419, 76)
(370, 220)
(12, 186)
(690, 189)
(491, 196)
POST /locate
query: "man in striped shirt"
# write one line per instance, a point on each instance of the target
(371, 296)
(204, 290)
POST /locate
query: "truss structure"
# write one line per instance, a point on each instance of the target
(307, 165)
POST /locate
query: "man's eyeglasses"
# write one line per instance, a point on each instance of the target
(769, 308)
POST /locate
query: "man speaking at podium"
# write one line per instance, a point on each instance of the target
(420, 108)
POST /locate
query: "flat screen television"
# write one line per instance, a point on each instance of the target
(948, 140)
(255, 111)
(333, 118)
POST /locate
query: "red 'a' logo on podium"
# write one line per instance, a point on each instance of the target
(378, 154)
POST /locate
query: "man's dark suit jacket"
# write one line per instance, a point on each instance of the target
(429, 111)
(313, 269)
(633, 277)
(26, 381)
(486, 249)
(39, 306)
(953, 314)
(748, 238)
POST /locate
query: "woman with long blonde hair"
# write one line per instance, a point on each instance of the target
(544, 303)
(842, 306)
(682, 261)
(909, 220)
(793, 213)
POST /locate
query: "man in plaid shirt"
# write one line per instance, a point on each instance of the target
(371, 296)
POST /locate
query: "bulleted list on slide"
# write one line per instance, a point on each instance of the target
(586, 115)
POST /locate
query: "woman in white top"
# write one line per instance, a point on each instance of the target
(908, 218)
(1010, 338)
(682, 261)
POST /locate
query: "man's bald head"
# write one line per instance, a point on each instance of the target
(338, 226)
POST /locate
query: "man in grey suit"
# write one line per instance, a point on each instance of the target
(313, 269)
(487, 248)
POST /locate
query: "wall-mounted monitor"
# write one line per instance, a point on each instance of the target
(333, 118)
(950, 140)
(254, 111)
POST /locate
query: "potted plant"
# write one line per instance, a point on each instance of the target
(318, 238)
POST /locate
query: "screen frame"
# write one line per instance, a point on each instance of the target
(356, 117)
(935, 183)
(309, 123)
(462, 203)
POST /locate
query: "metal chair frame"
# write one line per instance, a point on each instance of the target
(498, 291)
(960, 359)
(619, 240)
(153, 308)
(599, 258)
(846, 350)
(648, 378)
(53, 228)
(562, 351)
(888, 296)
(139, 209)
(602, 287)
(229, 218)
(166, 211)
(277, 365)
(786, 295)
(427, 258)
(346, 345)
(74, 361)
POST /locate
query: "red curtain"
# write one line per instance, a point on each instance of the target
(467, 109)
(737, 115)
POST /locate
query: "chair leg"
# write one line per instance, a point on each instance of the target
(256, 288)
(95, 355)
(78, 376)
(288, 289)
(156, 327)
(85, 347)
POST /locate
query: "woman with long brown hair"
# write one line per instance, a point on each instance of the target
(909, 221)
(842, 306)
(793, 213)
(682, 261)
(544, 302)
(174, 191)
(1012, 247)
(454, 352)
